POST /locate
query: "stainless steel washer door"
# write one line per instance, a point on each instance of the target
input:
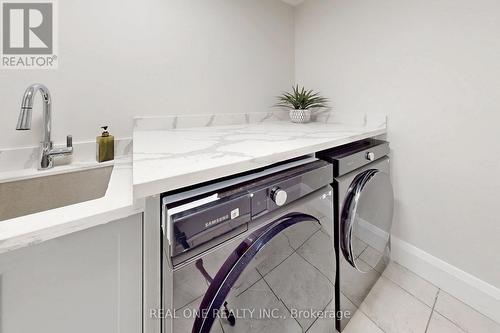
(366, 217)
(272, 281)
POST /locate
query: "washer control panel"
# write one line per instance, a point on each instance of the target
(191, 222)
(279, 196)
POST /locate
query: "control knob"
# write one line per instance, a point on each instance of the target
(370, 156)
(279, 196)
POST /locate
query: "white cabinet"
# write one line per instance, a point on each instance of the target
(89, 281)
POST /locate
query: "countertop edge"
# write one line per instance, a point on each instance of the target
(38, 236)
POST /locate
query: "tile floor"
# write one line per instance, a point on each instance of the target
(401, 302)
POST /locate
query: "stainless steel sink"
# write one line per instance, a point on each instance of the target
(28, 196)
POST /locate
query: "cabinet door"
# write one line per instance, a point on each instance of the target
(89, 281)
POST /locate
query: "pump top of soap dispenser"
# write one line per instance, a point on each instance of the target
(105, 132)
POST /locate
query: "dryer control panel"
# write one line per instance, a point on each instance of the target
(355, 155)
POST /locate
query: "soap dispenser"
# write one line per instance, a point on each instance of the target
(105, 150)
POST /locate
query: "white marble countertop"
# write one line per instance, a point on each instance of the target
(172, 158)
(32, 229)
(174, 152)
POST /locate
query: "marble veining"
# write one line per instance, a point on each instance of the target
(205, 120)
(169, 156)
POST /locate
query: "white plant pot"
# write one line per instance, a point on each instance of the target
(300, 116)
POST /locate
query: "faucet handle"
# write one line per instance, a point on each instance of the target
(60, 151)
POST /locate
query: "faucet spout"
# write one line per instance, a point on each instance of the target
(25, 115)
(47, 151)
(24, 120)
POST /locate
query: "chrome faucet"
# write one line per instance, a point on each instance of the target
(47, 151)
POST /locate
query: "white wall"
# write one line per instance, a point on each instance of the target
(434, 68)
(124, 58)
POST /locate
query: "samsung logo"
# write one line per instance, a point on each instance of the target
(217, 221)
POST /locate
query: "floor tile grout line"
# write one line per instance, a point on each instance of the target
(412, 272)
(186, 305)
(221, 326)
(463, 329)
(370, 319)
(296, 251)
(470, 307)
(280, 300)
(315, 320)
(263, 275)
(316, 268)
(373, 268)
(293, 251)
(196, 298)
(253, 284)
(305, 241)
(350, 300)
(289, 311)
(289, 243)
(359, 255)
(358, 308)
(406, 291)
(452, 322)
(399, 285)
(439, 291)
(432, 311)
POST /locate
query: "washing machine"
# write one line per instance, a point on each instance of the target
(252, 252)
(363, 214)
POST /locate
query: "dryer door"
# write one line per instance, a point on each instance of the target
(366, 217)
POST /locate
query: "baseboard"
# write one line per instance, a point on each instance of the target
(477, 293)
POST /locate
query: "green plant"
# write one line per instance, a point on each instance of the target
(301, 99)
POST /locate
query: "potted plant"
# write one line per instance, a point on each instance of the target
(300, 102)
